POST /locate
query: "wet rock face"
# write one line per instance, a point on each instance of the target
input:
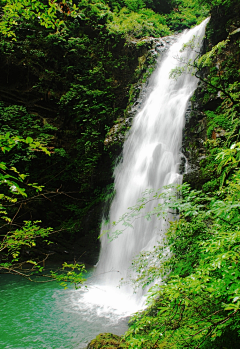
(194, 136)
(140, 90)
(115, 134)
(159, 46)
(204, 100)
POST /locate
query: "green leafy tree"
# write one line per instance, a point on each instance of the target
(17, 14)
(17, 239)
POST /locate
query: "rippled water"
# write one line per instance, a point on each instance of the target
(45, 316)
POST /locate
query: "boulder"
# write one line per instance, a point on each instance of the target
(106, 341)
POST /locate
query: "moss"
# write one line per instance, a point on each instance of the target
(106, 341)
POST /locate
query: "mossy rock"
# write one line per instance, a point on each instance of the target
(106, 341)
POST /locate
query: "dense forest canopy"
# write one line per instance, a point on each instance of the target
(70, 72)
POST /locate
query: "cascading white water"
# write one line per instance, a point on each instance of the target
(151, 156)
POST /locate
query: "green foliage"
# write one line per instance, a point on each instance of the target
(217, 122)
(12, 182)
(148, 18)
(215, 3)
(16, 240)
(134, 5)
(19, 13)
(17, 123)
(145, 22)
(229, 160)
(186, 14)
(199, 302)
(223, 122)
(163, 6)
(106, 340)
(70, 273)
(196, 301)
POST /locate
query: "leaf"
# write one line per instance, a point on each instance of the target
(29, 140)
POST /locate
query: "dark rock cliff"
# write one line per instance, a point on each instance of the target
(201, 130)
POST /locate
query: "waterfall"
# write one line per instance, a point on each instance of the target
(151, 157)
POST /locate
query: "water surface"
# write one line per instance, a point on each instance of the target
(45, 316)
